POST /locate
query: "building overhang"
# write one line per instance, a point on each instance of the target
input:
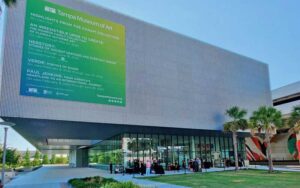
(62, 136)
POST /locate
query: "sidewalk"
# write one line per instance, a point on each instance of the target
(291, 168)
(58, 176)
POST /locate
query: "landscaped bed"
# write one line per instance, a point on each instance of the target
(100, 182)
(232, 179)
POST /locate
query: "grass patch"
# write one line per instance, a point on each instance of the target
(232, 179)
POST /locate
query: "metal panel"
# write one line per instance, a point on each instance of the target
(172, 80)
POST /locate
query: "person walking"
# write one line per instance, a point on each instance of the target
(110, 167)
(148, 167)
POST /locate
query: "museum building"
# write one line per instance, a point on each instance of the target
(101, 86)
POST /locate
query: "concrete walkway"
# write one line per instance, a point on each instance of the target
(290, 168)
(58, 176)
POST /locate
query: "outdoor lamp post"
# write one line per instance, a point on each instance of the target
(6, 125)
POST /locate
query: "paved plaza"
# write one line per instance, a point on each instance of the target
(58, 176)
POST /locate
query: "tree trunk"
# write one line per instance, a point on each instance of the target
(234, 135)
(269, 152)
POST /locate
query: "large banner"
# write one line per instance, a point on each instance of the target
(71, 55)
(2, 30)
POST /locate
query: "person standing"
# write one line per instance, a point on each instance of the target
(143, 168)
(199, 164)
(148, 167)
(183, 165)
(110, 167)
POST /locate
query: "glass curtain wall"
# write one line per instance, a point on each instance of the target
(168, 150)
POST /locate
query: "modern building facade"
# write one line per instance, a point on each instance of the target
(284, 143)
(286, 97)
(143, 92)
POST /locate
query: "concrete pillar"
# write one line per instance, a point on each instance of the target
(72, 158)
(79, 158)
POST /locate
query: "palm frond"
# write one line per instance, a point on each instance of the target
(236, 113)
(266, 118)
(295, 116)
(237, 122)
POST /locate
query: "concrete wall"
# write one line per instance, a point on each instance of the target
(287, 90)
(78, 158)
(284, 92)
(280, 146)
(172, 80)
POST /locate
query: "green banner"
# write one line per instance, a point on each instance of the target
(71, 55)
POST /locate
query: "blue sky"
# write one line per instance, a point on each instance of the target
(268, 31)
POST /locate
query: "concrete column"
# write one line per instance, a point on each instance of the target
(82, 158)
(79, 158)
(72, 158)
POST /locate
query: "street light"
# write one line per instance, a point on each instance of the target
(6, 125)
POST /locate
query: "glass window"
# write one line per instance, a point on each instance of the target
(193, 145)
(162, 151)
(208, 148)
(175, 150)
(154, 148)
(186, 148)
(147, 147)
(141, 147)
(202, 147)
(222, 146)
(197, 146)
(133, 146)
(169, 158)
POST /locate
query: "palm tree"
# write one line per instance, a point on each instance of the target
(294, 123)
(266, 120)
(238, 123)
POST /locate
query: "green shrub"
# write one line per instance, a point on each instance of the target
(120, 185)
(90, 182)
(77, 183)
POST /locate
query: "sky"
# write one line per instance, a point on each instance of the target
(268, 31)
